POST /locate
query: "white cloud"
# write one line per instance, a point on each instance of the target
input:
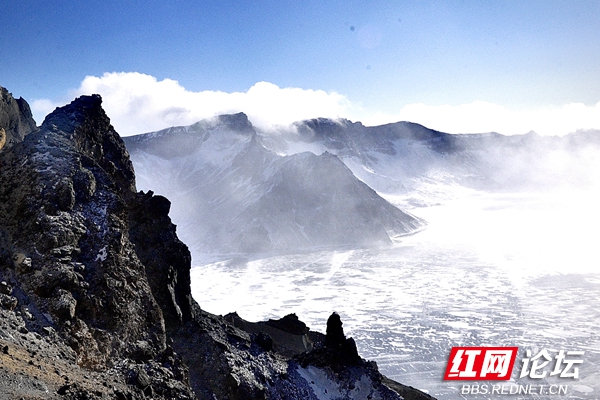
(42, 107)
(138, 103)
(480, 116)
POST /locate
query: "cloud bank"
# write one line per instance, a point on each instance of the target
(480, 117)
(138, 103)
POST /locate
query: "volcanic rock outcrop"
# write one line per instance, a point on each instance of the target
(66, 191)
(95, 301)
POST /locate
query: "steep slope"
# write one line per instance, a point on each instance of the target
(251, 199)
(392, 158)
(65, 192)
(314, 201)
(95, 300)
(407, 159)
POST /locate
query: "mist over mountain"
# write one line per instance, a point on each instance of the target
(401, 157)
(95, 286)
(325, 183)
(231, 194)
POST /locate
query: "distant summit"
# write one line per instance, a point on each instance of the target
(400, 160)
(324, 183)
(16, 119)
(231, 194)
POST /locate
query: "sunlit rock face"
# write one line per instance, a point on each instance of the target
(233, 195)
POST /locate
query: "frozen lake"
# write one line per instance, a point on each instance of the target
(489, 270)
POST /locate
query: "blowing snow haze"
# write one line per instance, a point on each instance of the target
(325, 183)
(233, 194)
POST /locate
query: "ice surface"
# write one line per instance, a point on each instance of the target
(490, 269)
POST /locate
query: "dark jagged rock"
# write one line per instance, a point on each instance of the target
(87, 126)
(334, 336)
(16, 119)
(95, 299)
(166, 259)
(336, 350)
(344, 349)
(290, 323)
(288, 335)
(65, 194)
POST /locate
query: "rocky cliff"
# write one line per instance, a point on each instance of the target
(95, 299)
(16, 119)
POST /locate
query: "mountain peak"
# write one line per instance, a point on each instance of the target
(15, 118)
(69, 117)
(323, 124)
(236, 122)
(85, 123)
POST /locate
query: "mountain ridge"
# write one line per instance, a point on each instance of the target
(404, 163)
(264, 202)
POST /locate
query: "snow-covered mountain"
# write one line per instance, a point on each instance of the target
(232, 194)
(325, 183)
(407, 159)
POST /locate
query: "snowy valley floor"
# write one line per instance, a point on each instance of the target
(489, 270)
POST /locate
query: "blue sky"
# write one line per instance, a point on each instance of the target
(505, 65)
